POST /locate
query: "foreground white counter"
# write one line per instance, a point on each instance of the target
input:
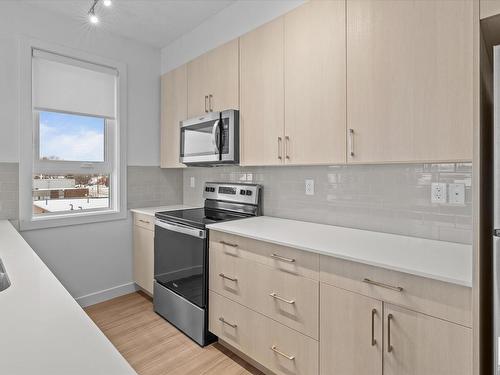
(439, 260)
(43, 330)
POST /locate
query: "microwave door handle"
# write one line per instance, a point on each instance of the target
(215, 138)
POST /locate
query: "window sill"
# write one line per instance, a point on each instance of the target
(54, 221)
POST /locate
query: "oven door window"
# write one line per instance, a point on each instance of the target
(179, 264)
(201, 139)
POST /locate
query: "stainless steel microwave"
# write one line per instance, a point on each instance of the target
(211, 139)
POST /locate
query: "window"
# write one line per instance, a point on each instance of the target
(75, 169)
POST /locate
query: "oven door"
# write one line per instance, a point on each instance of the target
(201, 139)
(180, 260)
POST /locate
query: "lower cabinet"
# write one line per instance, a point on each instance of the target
(359, 333)
(351, 333)
(143, 252)
(418, 344)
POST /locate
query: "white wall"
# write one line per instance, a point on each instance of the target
(230, 23)
(143, 64)
(95, 257)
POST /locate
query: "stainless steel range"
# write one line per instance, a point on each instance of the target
(181, 255)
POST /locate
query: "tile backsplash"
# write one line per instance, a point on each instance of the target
(392, 198)
(153, 186)
(9, 191)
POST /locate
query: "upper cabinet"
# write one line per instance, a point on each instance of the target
(262, 95)
(315, 79)
(173, 111)
(409, 80)
(213, 80)
(488, 8)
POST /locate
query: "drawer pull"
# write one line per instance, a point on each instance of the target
(275, 349)
(389, 345)
(275, 296)
(227, 323)
(374, 312)
(228, 244)
(382, 285)
(144, 221)
(279, 257)
(228, 278)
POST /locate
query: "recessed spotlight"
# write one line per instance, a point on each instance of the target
(107, 3)
(93, 18)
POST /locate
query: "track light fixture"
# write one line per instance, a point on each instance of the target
(92, 16)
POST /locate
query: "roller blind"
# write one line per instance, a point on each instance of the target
(63, 84)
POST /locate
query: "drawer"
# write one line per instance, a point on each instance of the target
(443, 300)
(273, 345)
(144, 221)
(289, 299)
(281, 258)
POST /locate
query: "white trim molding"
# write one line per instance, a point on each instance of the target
(106, 294)
(118, 196)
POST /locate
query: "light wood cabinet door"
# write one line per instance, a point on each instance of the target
(213, 80)
(223, 77)
(173, 111)
(488, 8)
(262, 95)
(409, 80)
(315, 83)
(351, 333)
(423, 345)
(143, 258)
(198, 86)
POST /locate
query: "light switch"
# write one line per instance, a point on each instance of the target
(309, 187)
(456, 194)
(438, 192)
(192, 182)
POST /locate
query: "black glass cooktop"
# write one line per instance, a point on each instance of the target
(198, 217)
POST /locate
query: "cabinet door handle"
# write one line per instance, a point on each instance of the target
(228, 244)
(228, 278)
(144, 221)
(210, 96)
(382, 285)
(351, 142)
(275, 349)
(279, 148)
(374, 312)
(227, 323)
(389, 346)
(206, 107)
(279, 257)
(287, 143)
(275, 296)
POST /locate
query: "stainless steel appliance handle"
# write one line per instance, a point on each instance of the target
(194, 232)
(382, 285)
(275, 349)
(214, 135)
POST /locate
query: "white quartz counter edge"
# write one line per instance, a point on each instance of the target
(43, 330)
(151, 211)
(444, 261)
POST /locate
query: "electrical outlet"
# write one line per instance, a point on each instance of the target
(309, 187)
(438, 192)
(456, 194)
(192, 182)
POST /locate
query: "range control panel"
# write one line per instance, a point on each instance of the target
(232, 192)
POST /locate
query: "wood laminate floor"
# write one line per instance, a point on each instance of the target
(154, 347)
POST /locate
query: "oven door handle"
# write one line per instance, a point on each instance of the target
(194, 232)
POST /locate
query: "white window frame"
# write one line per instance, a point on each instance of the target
(115, 147)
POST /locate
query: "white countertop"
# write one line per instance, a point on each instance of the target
(43, 330)
(152, 210)
(444, 261)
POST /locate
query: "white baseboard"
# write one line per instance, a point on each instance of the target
(106, 294)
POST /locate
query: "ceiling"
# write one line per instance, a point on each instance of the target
(154, 22)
